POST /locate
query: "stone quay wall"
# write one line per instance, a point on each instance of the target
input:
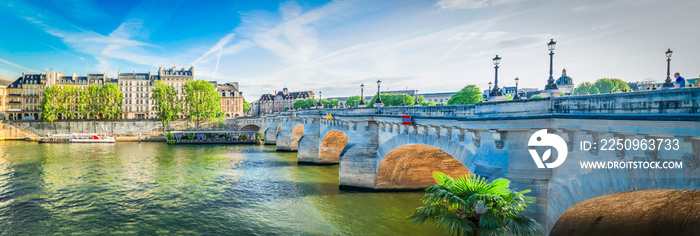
(128, 128)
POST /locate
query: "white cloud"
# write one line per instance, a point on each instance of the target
(470, 4)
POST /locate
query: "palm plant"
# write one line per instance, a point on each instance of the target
(468, 205)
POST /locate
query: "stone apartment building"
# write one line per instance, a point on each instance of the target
(271, 103)
(136, 88)
(3, 96)
(22, 97)
(231, 99)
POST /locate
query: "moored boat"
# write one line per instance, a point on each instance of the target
(78, 138)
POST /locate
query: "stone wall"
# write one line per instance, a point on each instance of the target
(11, 131)
(120, 128)
(678, 101)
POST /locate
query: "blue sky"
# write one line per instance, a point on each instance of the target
(333, 46)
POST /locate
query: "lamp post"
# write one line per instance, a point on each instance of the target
(320, 105)
(403, 99)
(415, 94)
(517, 95)
(668, 83)
(490, 88)
(495, 92)
(550, 82)
(378, 103)
(362, 95)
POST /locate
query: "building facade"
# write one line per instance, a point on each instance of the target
(24, 96)
(3, 97)
(136, 88)
(231, 99)
(20, 99)
(565, 83)
(272, 103)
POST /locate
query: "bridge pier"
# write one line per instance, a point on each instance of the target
(284, 137)
(271, 134)
(358, 165)
(308, 147)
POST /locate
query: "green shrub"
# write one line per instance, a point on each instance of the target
(170, 138)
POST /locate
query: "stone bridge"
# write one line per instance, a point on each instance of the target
(375, 151)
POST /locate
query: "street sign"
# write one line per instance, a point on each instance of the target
(406, 120)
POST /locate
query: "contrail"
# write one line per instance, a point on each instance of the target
(18, 66)
(217, 63)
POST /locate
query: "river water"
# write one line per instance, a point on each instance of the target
(160, 189)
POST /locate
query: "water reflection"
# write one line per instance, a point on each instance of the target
(153, 188)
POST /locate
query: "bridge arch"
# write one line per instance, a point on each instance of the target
(332, 146)
(250, 127)
(411, 167)
(297, 132)
(641, 212)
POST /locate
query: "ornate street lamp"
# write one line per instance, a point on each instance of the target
(550, 82)
(668, 83)
(378, 103)
(495, 92)
(362, 94)
(320, 105)
(517, 95)
(490, 87)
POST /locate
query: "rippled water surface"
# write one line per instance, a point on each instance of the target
(154, 188)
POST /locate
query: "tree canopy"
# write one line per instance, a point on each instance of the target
(392, 100)
(246, 106)
(71, 102)
(586, 87)
(333, 103)
(49, 103)
(353, 101)
(606, 85)
(165, 102)
(468, 95)
(202, 101)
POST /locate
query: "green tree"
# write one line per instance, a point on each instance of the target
(470, 206)
(246, 106)
(299, 104)
(333, 103)
(392, 100)
(586, 87)
(165, 102)
(49, 104)
(94, 101)
(509, 97)
(353, 101)
(81, 101)
(202, 101)
(468, 95)
(311, 102)
(536, 96)
(63, 106)
(111, 101)
(606, 85)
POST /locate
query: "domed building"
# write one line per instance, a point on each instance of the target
(565, 83)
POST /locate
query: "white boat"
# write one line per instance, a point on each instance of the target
(78, 138)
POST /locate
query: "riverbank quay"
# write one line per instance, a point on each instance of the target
(124, 130)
